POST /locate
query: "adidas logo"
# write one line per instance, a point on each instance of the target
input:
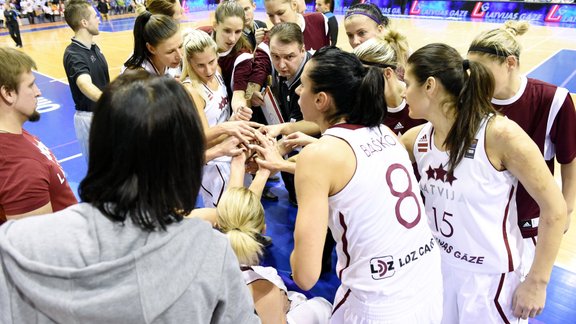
(526, 224)
(399, 126)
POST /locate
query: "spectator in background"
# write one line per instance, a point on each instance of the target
(48, 14)
(326, 7)
(28, 10)
(103, 9)
(11, 16)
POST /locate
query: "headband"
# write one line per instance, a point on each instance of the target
(380, 65)
(487, 50)
(363, 13)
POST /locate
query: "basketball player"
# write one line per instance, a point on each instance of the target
(471, 159)
(546, 112)
(387, 53)
(364, 21)
(314, 25)
(241, 217)
(157, 44)
(202, 79)
(387, 255)
(235, 54)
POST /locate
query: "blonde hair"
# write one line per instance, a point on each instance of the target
(195, 41)
(241, 218)
(389, 49)
(500, 43)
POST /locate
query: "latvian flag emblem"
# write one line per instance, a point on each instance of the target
(423, 144)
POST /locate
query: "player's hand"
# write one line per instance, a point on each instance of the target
(268, 155)
(230, 147)
(242, 113)
(529, 299)
(260, 33)
(244, 130)
(297, 139)
(257, 99)
(272, 131)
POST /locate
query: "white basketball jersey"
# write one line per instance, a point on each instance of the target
(472, 213)
(384, 245)
(217, 109)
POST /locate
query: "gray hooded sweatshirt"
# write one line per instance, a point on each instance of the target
(77, 266)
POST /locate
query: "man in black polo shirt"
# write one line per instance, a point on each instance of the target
(86, 67)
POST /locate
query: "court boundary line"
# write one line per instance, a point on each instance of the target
(51, 77)
(545, 60)
(75, 156)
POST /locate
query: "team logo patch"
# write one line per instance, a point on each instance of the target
(441, 174)
(471, 150)
(382, 267)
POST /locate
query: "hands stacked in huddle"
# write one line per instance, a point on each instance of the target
(256, 146)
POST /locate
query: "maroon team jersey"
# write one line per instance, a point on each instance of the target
(398, 120)
(229, 66)
(315, 31)
(547, 115)
(30, 176)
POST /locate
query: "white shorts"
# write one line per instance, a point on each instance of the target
(316, 310)
(427, 308)
(528, 252)
(215, 177)
(478, 297)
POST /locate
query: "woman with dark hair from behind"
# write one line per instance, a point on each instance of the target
(127, 249)
(372, 203)
(471, 160)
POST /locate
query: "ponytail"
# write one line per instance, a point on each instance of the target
(140, 52)
(245, 246)
(473, 105)
(241, 218)
(370, 107)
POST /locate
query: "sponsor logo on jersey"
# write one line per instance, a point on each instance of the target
(399, 126)
(382, 267)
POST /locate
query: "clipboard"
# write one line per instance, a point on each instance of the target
(271, 109)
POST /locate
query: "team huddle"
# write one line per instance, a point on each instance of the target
(426, 171)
